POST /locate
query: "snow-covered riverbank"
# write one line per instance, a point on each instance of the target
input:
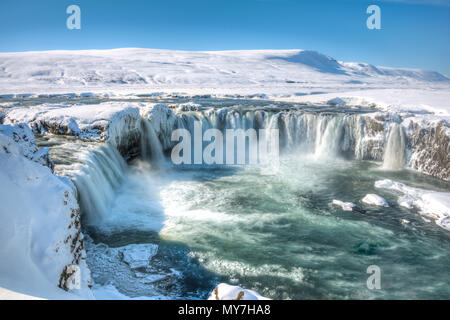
(40, 222)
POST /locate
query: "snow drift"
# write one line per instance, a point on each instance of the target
(40, 222)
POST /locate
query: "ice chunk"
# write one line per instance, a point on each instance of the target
(397, 186)
(151, 278)
(432, 204)
(346, 206)
(405, 202)
(375, 200)
(138, 255)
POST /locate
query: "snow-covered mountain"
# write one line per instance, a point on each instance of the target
(136, 70)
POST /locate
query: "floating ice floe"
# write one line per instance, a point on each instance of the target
(138, 255)
(375, 200)
(225, 291)
(432, 204)
(346, 206)
(405, 202)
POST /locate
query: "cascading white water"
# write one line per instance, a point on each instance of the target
(394, 154)
(320, 135)
(328, 139)
(151, 148)
(323, 136)
(195, 206)
(101, 172)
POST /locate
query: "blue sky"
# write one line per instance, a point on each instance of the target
(415, 33)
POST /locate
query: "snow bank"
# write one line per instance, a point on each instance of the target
(397, 186)
(84, 121)
(225, 291)
(435, 205)
(375, 200)
(116, 123)
(11, 295)
(418, 101)
(18, 140)
(42, 244)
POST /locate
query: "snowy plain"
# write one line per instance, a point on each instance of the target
(299, 75)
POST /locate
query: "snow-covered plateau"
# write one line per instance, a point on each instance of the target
(398, 118)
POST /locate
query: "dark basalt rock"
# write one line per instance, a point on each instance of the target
(431, 147)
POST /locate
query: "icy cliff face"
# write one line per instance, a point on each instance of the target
(19, 140)
(42, 245)
(430, 149)
(117, 123)
(395, 140)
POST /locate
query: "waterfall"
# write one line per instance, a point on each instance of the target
(329, 136)
(322, 135)
(151, 148)
(394, 154)
(101, 172)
